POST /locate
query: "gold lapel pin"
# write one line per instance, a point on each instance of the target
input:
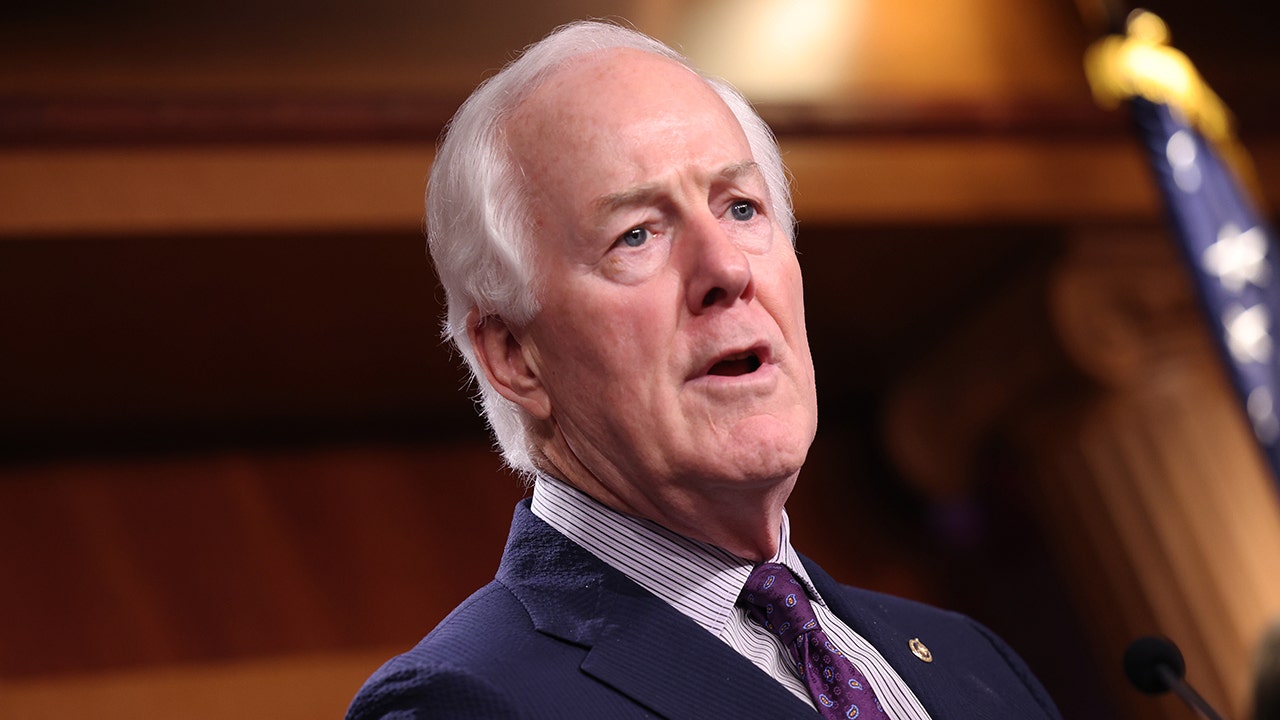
(919, 650)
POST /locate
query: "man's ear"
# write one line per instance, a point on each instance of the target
(509, 365)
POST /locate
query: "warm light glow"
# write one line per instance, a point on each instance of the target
(775, 50)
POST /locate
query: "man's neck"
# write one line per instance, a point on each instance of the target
(743, 520)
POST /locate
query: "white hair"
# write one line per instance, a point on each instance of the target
(478, 225)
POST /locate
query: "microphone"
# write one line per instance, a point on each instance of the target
(1154, 665)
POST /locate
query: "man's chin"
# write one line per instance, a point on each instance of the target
(773, 445)
(755, 465)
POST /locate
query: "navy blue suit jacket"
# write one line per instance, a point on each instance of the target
(560, 634)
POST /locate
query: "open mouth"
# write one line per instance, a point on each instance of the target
(735, 365)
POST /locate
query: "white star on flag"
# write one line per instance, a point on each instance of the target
(1261, 409)
(1248, 333)
(1238, 258)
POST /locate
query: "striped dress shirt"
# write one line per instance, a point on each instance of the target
(703, 581)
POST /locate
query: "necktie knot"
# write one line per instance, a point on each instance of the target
(775, 599)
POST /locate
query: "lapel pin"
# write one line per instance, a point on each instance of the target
(919, 650)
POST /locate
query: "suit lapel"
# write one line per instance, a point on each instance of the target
(666, 662)
(637, 644)
(872, 622)
(934, 683)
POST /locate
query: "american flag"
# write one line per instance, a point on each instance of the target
(1232, 255)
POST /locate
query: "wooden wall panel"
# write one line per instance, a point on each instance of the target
(185, 558)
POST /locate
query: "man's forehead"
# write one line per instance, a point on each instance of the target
(606, 83)
(607, 133)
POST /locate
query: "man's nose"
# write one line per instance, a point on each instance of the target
(719, 273)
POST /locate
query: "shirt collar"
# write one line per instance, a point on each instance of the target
(700, 580)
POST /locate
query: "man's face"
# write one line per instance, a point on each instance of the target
(670, 341)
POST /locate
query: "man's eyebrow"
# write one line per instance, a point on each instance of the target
(646, 193)
(738, 169)
(631, 197)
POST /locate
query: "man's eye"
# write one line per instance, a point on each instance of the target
(742, 211)
(635, 237)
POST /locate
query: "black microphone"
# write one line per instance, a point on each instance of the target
(1154, 665)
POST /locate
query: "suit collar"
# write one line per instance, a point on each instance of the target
(558, 582)
(636, 643)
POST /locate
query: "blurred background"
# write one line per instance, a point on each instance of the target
(233, 450)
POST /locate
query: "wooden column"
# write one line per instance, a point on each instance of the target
(1096, 370)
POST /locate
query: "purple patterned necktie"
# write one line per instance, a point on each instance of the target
(775, 599)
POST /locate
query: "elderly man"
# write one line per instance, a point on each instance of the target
(614, 235)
